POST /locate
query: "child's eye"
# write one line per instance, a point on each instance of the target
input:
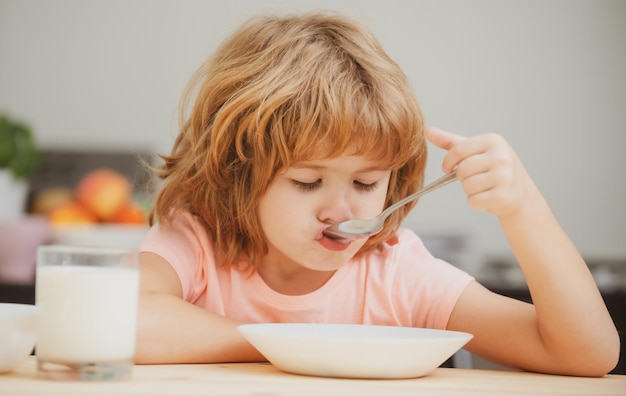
(304, 186)
(365, 186)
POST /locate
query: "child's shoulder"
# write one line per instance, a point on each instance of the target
(404, 238)
(181, 229)
(405, 261)
(404, 244)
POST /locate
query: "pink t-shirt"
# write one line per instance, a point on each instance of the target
(402, 284)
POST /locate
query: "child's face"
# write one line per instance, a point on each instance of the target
(305, 199)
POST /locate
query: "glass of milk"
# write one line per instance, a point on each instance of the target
(87, 300)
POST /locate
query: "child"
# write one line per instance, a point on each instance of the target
(301, 122)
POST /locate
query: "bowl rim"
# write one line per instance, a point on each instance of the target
(363, 331)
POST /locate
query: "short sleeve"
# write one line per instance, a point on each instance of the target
(427, 286)
(185, 245)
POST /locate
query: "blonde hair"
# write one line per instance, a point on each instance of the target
(279, 91)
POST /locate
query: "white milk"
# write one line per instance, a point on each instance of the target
(86, 313)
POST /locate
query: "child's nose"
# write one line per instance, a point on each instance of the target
(336, 208)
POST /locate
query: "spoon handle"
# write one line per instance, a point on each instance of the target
(442, 181)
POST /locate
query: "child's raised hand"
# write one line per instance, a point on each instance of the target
(490, 172)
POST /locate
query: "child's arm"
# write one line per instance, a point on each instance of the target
(568, 329)
(171, 330)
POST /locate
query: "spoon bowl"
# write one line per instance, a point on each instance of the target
(350, 230)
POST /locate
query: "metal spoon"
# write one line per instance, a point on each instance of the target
(350, 230)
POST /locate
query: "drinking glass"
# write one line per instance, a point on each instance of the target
(87, 299)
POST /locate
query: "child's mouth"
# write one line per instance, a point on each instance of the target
(333, 243)
(334, 237)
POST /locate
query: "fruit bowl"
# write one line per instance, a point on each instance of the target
(353, 351)
(18, 333)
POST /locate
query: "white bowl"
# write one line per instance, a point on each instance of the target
(353, 351)
(18, 333)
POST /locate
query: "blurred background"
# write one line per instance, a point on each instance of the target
(548, 75)
(99, 82)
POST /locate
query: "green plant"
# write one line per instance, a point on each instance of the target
(18, 152)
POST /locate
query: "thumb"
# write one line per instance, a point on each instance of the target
(442, 139)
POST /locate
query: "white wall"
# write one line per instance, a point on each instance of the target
(549, 75)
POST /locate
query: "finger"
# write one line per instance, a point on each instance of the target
(480, 148)
(472, 165)
(443, 139)
(447, 141)
(476, 184)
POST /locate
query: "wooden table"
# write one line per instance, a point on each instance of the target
(263, 379)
